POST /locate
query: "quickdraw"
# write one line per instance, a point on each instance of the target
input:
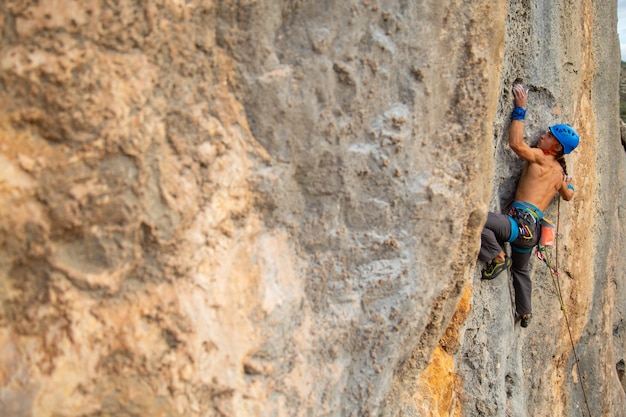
(543, 257)
(526, 218)
(525, 232)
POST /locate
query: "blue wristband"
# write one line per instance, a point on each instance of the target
(570, 186)
(518, 114)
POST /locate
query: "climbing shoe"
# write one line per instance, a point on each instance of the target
(494, 268)
(526, 319)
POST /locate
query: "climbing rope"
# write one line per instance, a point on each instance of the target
(554, 273)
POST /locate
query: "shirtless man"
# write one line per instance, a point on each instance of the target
(544, 175)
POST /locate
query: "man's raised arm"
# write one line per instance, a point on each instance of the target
(516, 131)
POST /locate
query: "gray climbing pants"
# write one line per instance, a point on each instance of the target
(496, 231)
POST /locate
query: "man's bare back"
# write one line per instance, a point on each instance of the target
(543, 175)
(539, 183)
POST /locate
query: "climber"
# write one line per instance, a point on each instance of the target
(544, 174)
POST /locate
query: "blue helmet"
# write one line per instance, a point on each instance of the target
(567, 137)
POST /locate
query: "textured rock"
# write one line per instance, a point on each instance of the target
(252, 208)
(517, 372)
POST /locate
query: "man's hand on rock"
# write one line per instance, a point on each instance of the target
(520, 95)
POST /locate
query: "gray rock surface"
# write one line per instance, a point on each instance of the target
(273, 208)
(512, 371)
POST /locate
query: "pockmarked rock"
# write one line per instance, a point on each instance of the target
(274, 208)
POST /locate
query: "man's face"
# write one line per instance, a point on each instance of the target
(547, 141)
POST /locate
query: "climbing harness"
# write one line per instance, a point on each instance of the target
(525, 221)
(543, 256)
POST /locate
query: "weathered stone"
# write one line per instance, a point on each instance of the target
(273, 208)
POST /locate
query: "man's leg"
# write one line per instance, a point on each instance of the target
(521, 282)
(497, 229)
(489, 246)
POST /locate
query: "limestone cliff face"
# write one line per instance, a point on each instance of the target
(273, 208)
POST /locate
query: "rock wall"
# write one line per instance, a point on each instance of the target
(245, 208)
(571, 69)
